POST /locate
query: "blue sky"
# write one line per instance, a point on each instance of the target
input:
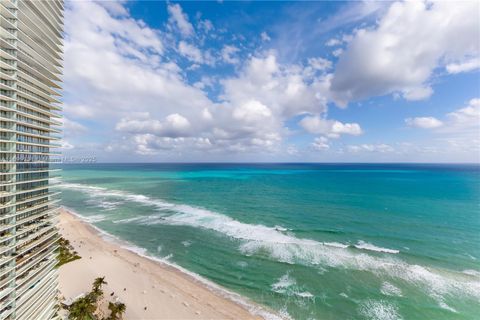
(149, 81)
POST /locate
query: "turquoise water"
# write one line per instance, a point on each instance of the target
(312, 241)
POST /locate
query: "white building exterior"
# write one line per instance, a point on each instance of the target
(30, 68)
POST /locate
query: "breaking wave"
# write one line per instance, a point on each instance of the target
(288, 286)
(277, 244)
(379, 310)
(368, 246)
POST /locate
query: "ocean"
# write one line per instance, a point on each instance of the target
(311, 241)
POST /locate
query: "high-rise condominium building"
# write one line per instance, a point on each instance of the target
(30, 66)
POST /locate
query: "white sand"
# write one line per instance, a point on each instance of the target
(165, 291)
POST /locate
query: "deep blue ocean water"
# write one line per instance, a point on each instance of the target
(312, 241)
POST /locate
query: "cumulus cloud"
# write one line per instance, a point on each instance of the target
(180, 19)
(206, 25)
(330, 128)
(124, 75)
(228, 54)
(417, 93)
(252, 111)
(424, 122)
(380, 148)
(466, 117)
(155, 109)
(466, 66)
(333, 42)
(337, 52)
(173, 126)
(320, 64)
(320, 144)
(191, 52)
(98, 61)
(282, 88)
(461, 120)
(401, 52)
(457, 132)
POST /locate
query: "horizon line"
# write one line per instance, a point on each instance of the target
(266, 162)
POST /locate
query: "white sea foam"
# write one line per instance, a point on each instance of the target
(283, 283)
(186, 243)
(368, 246)
(379, 310)
(473, 273)
(305, 294)
(99, 192)
(288, 286)
(445, 306)
(254, 309)
(105, 205)
(95, 218)
(276, 245)
(389, 289)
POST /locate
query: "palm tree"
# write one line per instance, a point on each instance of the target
(82, 309)
(121, 308)
(97, 286)
(117, 309)
(98, 282)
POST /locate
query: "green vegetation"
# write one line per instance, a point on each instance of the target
(66, 252)
(117, 309)
(84, 308)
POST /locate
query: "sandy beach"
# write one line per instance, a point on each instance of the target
(150, 289)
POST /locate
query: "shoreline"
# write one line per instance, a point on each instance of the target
(138, 280)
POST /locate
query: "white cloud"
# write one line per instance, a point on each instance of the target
(252, 111)
(66, 145)
(333, 42)
(265, 36)
(417, 93)
(458, 133)
(401, 52)
(180, 19)
(249, 118)
(466, 117)
(72, 128)
(320, 64)
(458, 121)
(465, 66)
(377, 148)
(283, 89)
(173, 126)
(115, 8)
(206, 25)
(191, 52)
(331, 128)
(228, 54)
(149, 144)
(337, 52)
(424, 122)
(98, 67)
(320, 144)
(123, 74)
(177, 122)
